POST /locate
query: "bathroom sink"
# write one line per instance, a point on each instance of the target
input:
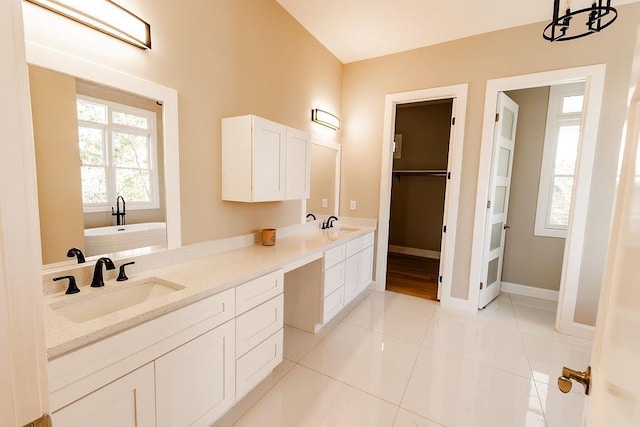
(334, 233)
(94, 303)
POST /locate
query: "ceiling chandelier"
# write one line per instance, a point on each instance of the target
(568, 26)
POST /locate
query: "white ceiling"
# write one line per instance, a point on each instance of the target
(359, 29)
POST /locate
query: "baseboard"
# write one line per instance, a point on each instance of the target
(529, 291)
(424, 253)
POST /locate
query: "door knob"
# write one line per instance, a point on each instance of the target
(584, 378)
(505, 227)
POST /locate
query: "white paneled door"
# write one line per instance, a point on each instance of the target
(614, 399)
(498, 200)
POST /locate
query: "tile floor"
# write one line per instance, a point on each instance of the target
(395, 360)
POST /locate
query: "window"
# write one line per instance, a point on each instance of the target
(118, 155)
(560, 153)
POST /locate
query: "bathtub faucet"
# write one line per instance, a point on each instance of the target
(119, 215)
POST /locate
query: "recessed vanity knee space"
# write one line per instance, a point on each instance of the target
(186, 357)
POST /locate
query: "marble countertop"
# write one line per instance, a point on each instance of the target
(201, 278)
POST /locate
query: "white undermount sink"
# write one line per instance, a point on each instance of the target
(102, 301)
(334, 233)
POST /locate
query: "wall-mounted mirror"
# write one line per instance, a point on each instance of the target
(100, 134)
(325, 178)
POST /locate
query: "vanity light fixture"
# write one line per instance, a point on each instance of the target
(105, 16)
(325, 118)
(595, 18)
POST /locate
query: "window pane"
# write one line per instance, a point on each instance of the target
(91, 142)
(503, 162)
(130, 120)
(94, 184)
(130, 150)
(567, 150)
(91, 112)
(496, 235)
(572, 104)
(507, 124)
(492, 271)
(133, 184)
(501, 193)
(561, 201)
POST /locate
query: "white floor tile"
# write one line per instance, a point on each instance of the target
(307, 398)
(409, 419)
(490, 345)
(456, 392)
(547, 357)
(250, 399)
(498, 312)
(393, 314)
(370, 361)
(297, 343)
(535, 321)
(562, 410)
(541, 304)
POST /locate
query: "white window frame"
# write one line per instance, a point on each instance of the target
(555, 119)
(111, 127)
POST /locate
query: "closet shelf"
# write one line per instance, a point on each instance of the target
(425, 172)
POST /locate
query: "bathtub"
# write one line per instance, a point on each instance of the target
(104, 240)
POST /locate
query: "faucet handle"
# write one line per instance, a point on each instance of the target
(122, 276)
(73, 288)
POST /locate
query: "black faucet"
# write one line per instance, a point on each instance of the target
(75, 252)
(329, 223)
(119, 215)
(312, 216)
(98, 281)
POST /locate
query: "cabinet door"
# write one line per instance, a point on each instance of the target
(195, 383)
(365, 268)
(268, 160)
(128, 401)
(351, 278)
(298, 165)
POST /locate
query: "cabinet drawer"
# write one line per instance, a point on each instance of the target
(333, 256)
(258, 290)
(256, 365)
(256, 325)
(356, 245)
(332, 305)
(333, 278)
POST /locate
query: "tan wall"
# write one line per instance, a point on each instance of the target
(55, 129)
(529, 260)
(323, 180)
(102, 219)
(417, 202)
(474, 60)
(225, 58)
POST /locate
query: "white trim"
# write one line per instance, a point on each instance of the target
(594, 75)
(459, 94)
(529, 291)
(67, 64)
(424, 253)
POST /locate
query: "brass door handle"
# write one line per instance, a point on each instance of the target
(584, 378)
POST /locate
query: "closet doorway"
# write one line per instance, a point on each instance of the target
(420, 169)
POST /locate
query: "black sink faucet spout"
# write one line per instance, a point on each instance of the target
(75, 252)
(119, 214)
(329, 222)
(98, 281)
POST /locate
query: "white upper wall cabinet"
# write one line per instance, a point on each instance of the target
(263, 161)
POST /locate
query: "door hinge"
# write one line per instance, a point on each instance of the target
(444, 228)
(440, 279)
(448, 175)
(481, 286)
(497, 117)
(43, 421)
(453, 121)
(488, 204)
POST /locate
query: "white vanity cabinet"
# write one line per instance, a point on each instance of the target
(259, 330)
(126, 402)
(195, 383)
(358, 266)
(333, 282)
(264, 161)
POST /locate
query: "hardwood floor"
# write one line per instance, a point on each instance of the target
(412, 275)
